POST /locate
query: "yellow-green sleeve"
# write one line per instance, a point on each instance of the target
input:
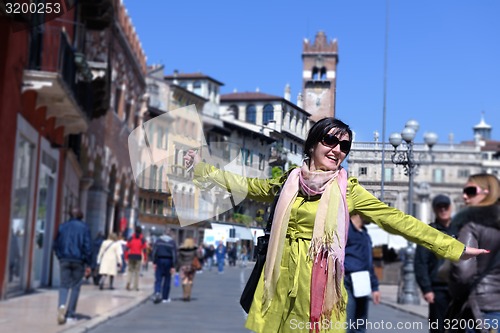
(254, 188)
(392, 220)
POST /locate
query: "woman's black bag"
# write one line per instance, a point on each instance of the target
(261, 252)
(249, 291)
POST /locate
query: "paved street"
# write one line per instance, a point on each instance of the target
(215, 308)
(383, 318)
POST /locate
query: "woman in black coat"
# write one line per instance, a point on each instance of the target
(479, 225)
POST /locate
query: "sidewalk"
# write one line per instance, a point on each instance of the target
(37, 312)
(389, 297)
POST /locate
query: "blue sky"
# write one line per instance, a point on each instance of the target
(443, 56)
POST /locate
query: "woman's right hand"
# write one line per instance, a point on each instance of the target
(191, 158)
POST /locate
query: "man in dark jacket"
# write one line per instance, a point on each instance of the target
(164, 261)
(73, 248)
(360, 280)
(426, 265)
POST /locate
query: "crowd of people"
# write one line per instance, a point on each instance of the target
(312, 269)
(101, 260)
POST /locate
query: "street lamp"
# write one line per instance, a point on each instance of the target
(408, 292)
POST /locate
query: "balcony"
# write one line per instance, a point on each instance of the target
(97, 14)
(60, 82)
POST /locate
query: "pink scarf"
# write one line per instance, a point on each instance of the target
(327, 249)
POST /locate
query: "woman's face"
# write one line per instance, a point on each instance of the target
(327, 155)
(473, 194)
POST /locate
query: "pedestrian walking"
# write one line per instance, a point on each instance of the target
(96, 246)
(301, 281)
(360, 280)
(232, 255)
(244, 256)
(220, 255)
(123, 243)
(109, 260)
(209, 256)
(427, 264)
(200, 254)
(475, 284)
(164, 261)
(147, 255)
(186, 254)
(73, 248)
(135, 254)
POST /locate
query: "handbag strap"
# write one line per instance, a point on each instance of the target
(106, 249)
(267, 229)
(269, 224)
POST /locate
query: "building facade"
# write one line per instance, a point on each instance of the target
(60, 143)
(165, 195)
(40, 109)
(109, 195)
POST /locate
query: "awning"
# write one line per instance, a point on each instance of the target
(241, 232)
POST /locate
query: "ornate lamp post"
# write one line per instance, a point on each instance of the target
(408, 292)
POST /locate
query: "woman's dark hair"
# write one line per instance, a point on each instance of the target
(321, 128)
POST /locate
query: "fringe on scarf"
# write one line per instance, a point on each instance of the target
(322, 252)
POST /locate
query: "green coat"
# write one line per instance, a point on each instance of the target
(289, 309)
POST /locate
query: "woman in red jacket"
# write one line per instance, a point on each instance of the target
(136, 246)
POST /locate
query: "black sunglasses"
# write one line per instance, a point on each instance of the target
(470, 191)
(332, 141)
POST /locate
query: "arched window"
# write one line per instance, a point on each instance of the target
(251, 114)
(315, 73)
(268, 114)
(323, 74)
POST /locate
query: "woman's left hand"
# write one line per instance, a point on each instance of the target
(471, 252)
(191, 158)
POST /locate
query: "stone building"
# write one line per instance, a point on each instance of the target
(164, 194)
(114, 54)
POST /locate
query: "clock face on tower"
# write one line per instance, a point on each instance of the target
(315, 98)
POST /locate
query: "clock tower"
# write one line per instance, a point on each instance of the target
(319, 61)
